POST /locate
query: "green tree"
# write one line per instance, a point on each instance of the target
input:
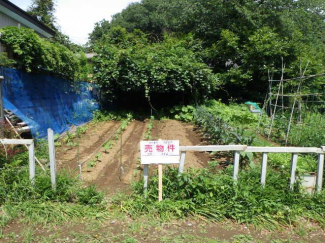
(44, 10)
(101, 28)
(241, 39)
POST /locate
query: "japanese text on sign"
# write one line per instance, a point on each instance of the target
(159, 152)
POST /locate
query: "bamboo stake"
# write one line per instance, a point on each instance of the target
(276, 103)
(298, 78)
(270, 93)
(282, 87)
(293, 106)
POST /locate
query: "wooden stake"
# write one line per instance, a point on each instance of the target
(160, 172)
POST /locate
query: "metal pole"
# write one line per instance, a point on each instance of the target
(294, 161)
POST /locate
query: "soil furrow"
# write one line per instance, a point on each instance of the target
(108, 176)
(95, 136)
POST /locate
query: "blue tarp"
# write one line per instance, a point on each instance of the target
(43, 101)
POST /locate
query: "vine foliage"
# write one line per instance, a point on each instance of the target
(128, 64)
(35, 54)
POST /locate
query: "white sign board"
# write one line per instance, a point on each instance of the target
(159, 152)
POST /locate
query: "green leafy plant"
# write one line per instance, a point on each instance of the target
(81, 130)
(92, 163)
(217, 131)
(102, 115)
(183, 113)
(149, 128)
(5, 61)
(107, 146)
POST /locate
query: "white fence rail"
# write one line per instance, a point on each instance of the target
(264, 150)
(31, 151)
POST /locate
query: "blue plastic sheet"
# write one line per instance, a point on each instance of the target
(43, 101)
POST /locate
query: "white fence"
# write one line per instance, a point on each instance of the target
(264, 150)
(31, 150)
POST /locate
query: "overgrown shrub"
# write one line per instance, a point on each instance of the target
(35, 54)
(308, 133)
(127, 63)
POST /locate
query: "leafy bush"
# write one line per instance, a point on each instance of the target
(127, 63)
(183, 113)
(216, 196)
(5, 61)
(234, 114)
(35, 54)
(309, 133)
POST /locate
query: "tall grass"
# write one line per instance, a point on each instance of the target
(40, 203)
(309, 133)
(214, 195)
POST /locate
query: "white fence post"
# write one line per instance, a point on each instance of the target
(294, 161)
(50, 135)
(182, 162)
(236, 165)
(263, 169)
(31, 151)
(80, 172)
(320, 171)
(145, 177)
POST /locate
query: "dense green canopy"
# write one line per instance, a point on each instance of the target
(128, 64)
(241, 39)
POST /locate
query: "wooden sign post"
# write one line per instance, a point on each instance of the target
(158, 152)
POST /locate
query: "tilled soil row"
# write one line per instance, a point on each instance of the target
(96, 135)
(114, 171)
(111, 173)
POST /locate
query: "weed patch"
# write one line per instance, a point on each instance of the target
(41, 202)
(216, 196)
